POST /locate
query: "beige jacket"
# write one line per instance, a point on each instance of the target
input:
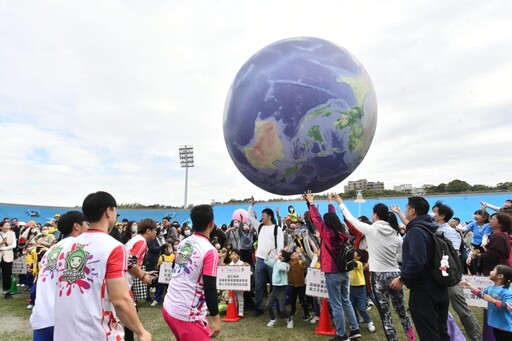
(7, 249)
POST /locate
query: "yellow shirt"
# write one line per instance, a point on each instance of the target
(165, 258)
(357, 275)
(32, 258)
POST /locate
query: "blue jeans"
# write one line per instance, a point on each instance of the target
(358, 300)
(263, 274)
(337, 289)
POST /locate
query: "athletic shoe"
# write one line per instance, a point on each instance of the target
(289, 324)
(371, 327)
(354, 334)
(258, 312)
(8, 296)
(314, 320)
(272, 323)
(22, 285)
(154, 304)
(30, 306)
(339, 338)
(368, 307)
(306, 318)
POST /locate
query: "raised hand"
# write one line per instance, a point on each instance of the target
(308, 196)
(252, 200)
(337, 198)
(395, 208)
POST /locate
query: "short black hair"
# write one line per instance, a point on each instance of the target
(420, 205)
(125, 220)
(67, 220)
(201, 216)
(286, 256)
(95, 205)
(236, 251)
(146, 224)
(443, 210)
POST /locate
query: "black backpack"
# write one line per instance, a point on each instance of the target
(344, 261)
(452, 274)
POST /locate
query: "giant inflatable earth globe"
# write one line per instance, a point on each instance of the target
(301, 114)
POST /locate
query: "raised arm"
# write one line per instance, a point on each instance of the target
(396, 209)
(360, 226)
(250, 215)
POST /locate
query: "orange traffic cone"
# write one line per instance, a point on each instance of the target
(232, 313)
(324, 324)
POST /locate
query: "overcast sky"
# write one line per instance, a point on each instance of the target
(99, 95)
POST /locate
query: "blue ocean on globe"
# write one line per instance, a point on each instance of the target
(300, 114)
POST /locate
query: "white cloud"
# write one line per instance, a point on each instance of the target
(110, 90)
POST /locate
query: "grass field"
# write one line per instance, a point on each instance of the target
(14, 322)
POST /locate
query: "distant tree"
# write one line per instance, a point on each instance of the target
(480, 188)
(457, 186)
(441, 188)
(503, 186)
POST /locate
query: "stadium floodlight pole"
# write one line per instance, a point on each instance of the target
(359, 199)
(186, 161)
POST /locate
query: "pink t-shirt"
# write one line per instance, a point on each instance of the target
(185, 299)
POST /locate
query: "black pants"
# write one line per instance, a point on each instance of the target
(301, 292)
(429, 311)
(6, 275)
(502, 335)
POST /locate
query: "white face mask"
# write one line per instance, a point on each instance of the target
(187, 233)
(236, 225)
(133, 228)
(44, 232)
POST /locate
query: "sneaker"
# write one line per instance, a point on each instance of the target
(272, 323)
(22, 285)
(344, 337)
(289, 324)
(354, 334)
(8, 296)
(153, 289)
(313, 320)
(18, 285)
(371, 327)
(30, 306)
(306, 318)
(258, 312)
(368, 307)
(154, 304)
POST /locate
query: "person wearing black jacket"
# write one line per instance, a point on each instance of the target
(428, 301)
(155, 248)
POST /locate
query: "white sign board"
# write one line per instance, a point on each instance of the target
(315, 283)
(234, 277)
(165, 272)
(19, 265)
(480, 282)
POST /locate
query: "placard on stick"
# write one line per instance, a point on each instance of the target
(19, 265)
(315, 283)
(165, 272)
(234, 277)
(480, 282)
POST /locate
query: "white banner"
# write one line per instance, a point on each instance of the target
(315, 283)
(19, 266)
(480, 282)
(234, 277)
(165, 272)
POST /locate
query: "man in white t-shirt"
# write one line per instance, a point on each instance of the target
(71, 225)
(193, 285)
(93, 298)
(270, 239)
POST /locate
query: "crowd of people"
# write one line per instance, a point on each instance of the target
(82, 268)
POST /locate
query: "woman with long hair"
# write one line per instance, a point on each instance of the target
(384, 248)
(334, 235)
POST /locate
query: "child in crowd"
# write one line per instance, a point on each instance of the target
(280, 269)
(35, 273)
(297, 282)
(499, 297)
(239, 294)
(167, 256)
(358, 288)
(31, 262)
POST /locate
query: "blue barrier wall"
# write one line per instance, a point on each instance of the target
(463, 206)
